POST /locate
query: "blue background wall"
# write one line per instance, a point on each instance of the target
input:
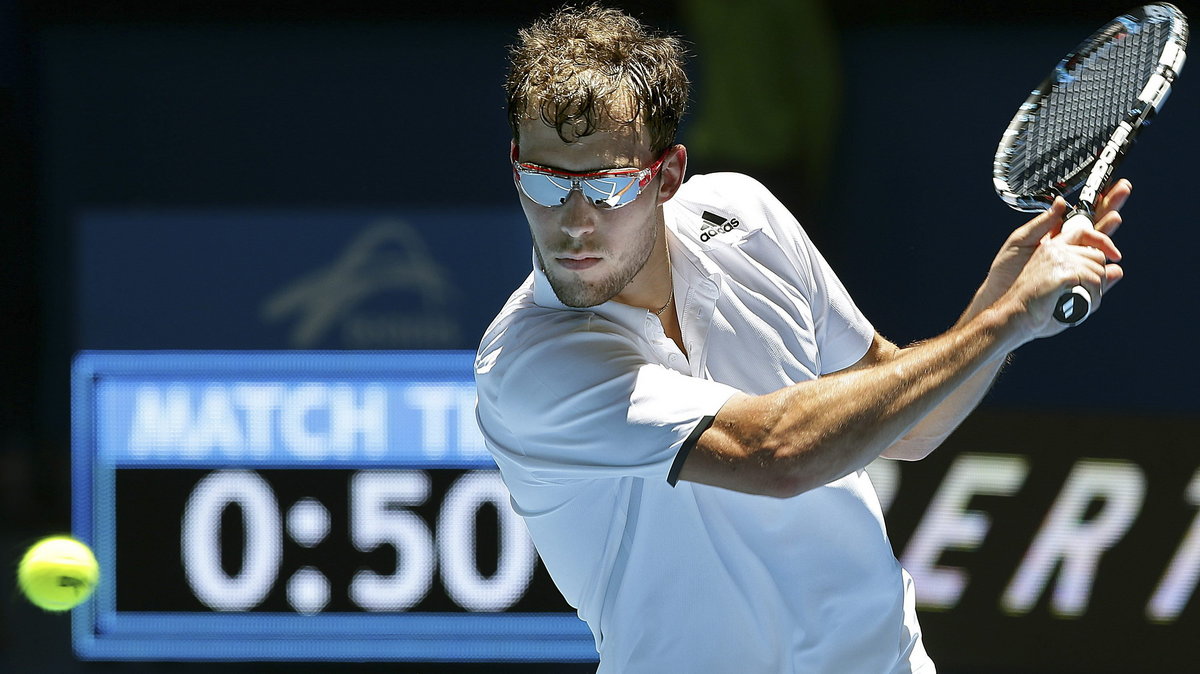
(224, 143)
(171, 173)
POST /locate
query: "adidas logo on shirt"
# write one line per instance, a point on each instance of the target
(713, 224)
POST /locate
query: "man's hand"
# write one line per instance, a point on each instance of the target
(1060, 259)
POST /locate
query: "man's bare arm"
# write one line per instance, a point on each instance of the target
(814, 432)
(932, 430)
(809, 434)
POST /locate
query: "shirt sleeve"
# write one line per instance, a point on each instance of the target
(842, 332)
(588, 405)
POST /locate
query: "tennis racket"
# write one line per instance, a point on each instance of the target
(1078, 124)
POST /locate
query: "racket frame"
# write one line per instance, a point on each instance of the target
(1075, 306)
(1151, 98)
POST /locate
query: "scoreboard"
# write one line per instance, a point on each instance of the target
(301, 506)
(342, 506)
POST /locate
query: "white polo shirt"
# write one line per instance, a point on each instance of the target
(587, 410)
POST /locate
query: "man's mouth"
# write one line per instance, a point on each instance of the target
(577, 262)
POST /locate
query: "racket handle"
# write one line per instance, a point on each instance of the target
(1073, 307)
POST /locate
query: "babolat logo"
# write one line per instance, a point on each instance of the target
(1104, 165)
(714, 224)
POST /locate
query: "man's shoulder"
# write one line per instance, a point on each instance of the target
(720, 191)
(728, 185)
(522, 319)
(720, 208)
(527, 335)
(733, 213)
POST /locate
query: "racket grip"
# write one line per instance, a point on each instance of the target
(1074, 307)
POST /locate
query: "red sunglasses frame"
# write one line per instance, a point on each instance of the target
(650, 172)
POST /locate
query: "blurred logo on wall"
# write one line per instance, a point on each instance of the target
(294, 279)
(346, 301)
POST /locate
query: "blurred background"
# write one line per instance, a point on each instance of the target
(267, 175)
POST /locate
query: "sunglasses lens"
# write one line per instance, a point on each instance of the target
(611, 191)
(604, 191)
(543, 189)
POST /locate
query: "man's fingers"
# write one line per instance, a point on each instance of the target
(1047, 223)
(1114, 199)
(1092, 270)
(1109, 222)
(1100, 241)
(1112, 274)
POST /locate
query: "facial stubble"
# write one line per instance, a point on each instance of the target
(572, 291)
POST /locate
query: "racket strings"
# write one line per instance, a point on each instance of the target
(1066, 123)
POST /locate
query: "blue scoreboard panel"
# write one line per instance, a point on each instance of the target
(301, 506)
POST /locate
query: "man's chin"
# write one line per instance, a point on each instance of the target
(576, 302)
(578, 297)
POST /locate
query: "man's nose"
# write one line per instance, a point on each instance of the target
(578, 216)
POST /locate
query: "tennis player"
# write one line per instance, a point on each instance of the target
(682, 396)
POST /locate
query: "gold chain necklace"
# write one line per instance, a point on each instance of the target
(672, 297)
(664, 308)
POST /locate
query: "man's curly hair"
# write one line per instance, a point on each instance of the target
(594, 68)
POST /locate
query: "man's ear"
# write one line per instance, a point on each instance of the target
(673, 172)
(513, 150)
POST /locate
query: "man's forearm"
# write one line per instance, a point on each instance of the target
(811, 433)
(935, 427)
(815, 432)
(931, 431)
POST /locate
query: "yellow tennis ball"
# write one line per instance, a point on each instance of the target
(58, 573)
